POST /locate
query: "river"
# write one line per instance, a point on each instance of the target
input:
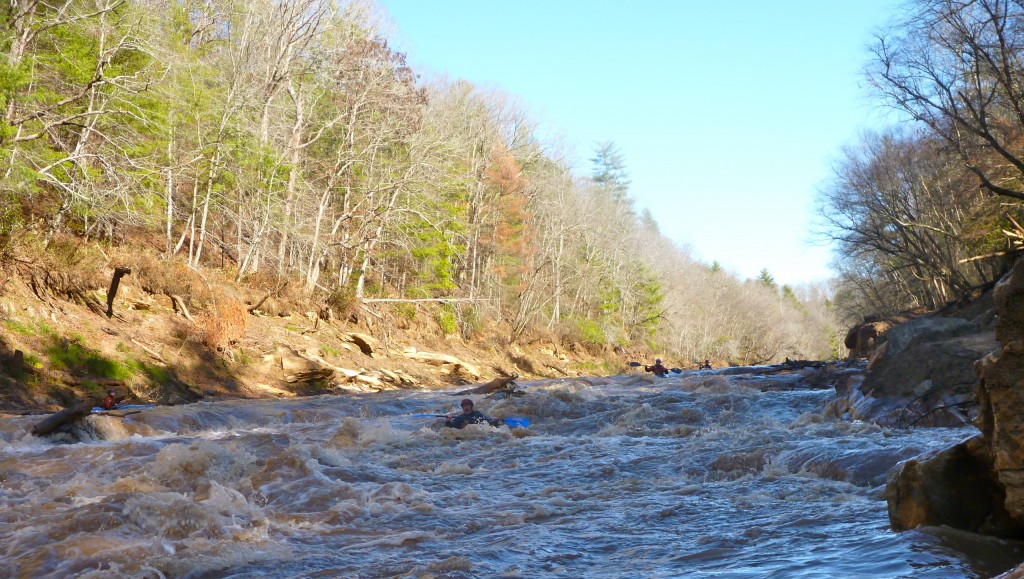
(629, 476)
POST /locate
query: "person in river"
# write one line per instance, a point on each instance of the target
(657, 368)
(468, 416)
(706, 365)
(112, 400)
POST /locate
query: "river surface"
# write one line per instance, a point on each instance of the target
(631, 476)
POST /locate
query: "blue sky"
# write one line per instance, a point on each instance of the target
(729, 114)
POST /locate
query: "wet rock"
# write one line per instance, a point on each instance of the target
(922, 375)
(956, 487)
(977, 485)
(863, 338)
(1001, 392)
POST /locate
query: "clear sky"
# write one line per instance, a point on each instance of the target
(729, 114)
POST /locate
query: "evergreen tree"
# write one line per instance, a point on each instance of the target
(609, 171)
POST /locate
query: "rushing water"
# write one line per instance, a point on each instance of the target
(630, 476)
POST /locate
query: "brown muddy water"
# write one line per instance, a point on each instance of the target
(631, 476)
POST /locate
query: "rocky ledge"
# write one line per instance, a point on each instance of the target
(977, 485)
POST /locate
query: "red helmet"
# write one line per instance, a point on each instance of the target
(466, 401)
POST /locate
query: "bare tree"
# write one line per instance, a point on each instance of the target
(955, 65)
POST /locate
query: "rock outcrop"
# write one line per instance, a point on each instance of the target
(1001, 391)
(977, 485)
(922, 375)
(968, 498)
(864, 338)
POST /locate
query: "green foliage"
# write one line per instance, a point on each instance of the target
(715, 267)
(10, 223)
(650, 298)
(330, 351)
(20, 328)
(600, 368)
(766, 278)
(835, 346)
(470, 321)
(405, 310)
(435, 253)
(591, 332)
(33, 361)
(790, 296)
(71, 356)
(609, 171)
(155, 374)
(445, 317)
(342, 300)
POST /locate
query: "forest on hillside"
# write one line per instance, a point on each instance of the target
(929, 210)
(285, 143)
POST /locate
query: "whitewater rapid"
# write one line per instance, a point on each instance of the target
(630, 476)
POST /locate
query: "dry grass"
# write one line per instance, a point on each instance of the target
(224, 324)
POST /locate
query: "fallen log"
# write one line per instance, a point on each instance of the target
(58, 419)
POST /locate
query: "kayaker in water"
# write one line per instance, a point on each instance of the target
(112, 400)
(468, 416)
(657, 368)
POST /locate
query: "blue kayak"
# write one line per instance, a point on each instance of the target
(100, 410)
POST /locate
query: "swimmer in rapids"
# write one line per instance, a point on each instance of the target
(468, 416)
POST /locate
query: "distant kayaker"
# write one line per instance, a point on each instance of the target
(705, 366)
(657, 368)
(112, 400)
(468, 416)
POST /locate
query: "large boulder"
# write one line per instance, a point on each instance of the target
(954, 487)
(864, 338)
(922, 375)
(977, 485)
(1001, 391)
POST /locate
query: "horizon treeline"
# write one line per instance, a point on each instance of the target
(287, 139)
(926, 211)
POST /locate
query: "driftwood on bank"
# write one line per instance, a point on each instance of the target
(179, 307)
(156, 355)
